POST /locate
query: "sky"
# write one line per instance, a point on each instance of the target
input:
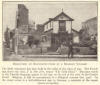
(40, 12)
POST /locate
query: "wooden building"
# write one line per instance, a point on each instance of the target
(58, 30)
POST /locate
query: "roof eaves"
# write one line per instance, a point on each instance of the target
(70, 19)
(75, 30)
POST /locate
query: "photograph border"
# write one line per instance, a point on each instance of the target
(43, 56)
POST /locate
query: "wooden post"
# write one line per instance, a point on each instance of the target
(16, 33)
(71, 33)
(71, 27)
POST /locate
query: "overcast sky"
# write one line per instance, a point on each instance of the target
(40, 12)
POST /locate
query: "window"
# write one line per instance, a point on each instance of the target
(62, 25)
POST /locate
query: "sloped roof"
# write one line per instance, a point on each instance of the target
(46, 22)
(62, 13)
(48, 30)
(75, 30)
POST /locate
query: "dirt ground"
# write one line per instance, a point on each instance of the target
(32, 54)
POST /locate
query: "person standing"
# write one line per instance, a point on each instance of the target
(7, 37)
(70, 49)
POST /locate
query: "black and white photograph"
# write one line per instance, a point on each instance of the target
(50, 31)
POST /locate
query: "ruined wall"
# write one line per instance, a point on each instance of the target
(22, 15)
(89, 29)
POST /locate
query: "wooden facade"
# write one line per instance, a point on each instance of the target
(61, 27)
